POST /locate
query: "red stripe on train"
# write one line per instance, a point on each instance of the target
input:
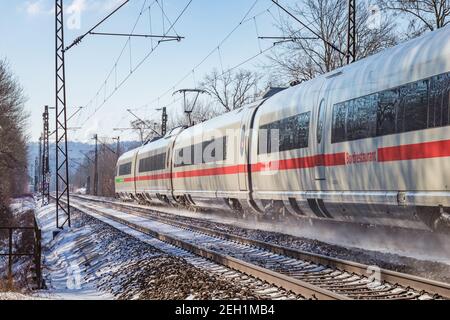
(211, 172)
(426, 150)
(324, 160)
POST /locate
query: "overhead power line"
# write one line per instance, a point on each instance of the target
(80, 38)
(308, 28)
(245, 19)
(138, 65)
(136, 35)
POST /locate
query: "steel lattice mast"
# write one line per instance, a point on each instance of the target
(46, 159)
(62, 160)
(351, 36)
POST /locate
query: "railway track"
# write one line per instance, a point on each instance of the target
(309, 275)
(260, 289)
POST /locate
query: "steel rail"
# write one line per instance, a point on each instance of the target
(297, 286)
(406, 280)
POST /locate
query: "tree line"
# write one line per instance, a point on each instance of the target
(13, 139)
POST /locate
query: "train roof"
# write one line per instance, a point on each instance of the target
(155, 145)
(127, 156)
(419, 58)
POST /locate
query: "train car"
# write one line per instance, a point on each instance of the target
(210, 162)
(369, 142)
(154, 170)
(125, 175)
(366, 143)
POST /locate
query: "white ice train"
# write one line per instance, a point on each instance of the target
(368, 143)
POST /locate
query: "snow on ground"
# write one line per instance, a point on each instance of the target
(93, 260)
(65, 261)
(16, 296)
(20, 215)
(20, 205)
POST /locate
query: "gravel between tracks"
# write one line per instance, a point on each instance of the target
(423, 268)
(127, 268)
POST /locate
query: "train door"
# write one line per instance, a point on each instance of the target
(319, 172)
(169, 160)
(135, 171)
(243, 150)
(244, 138)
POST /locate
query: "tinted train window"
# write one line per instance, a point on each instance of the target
(439, 110)
(184, 157)
(290, 133)
(414, 102)
(339, 117)
(214, 150)
(125, 169)
(386, 112)
(415, 106)
(153, 163)
(361, 118)
(206, 152)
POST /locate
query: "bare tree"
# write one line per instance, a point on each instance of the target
(107, 170)
(107, 160)
(306, 57)
(423, 15)
(232, 90)
(146, 129)
(13, 139)
(200, 113)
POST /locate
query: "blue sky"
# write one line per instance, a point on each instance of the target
(27, 42)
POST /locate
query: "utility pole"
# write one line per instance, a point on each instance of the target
(117, 147)
(88, 181)
(62, 159)
(36, 175)
(88, 185)
(351, 36)
(46, 159)
(165, 118)
(40, 164)
(96, 166)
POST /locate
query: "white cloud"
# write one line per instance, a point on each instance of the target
(108, 5)
(77, 6)
(46, 7)
(38, 7)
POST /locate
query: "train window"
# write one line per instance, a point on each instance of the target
(415, 106)
(206, 152)
(439, 111)
(184, 157)
(153, 163)
(320, 121)
(414, 100)
(125, 169)
(214, 150)
(386, 112)
(361, 118)
(339, 117)
(289, 134)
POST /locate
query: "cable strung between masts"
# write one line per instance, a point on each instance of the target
(80, 38)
